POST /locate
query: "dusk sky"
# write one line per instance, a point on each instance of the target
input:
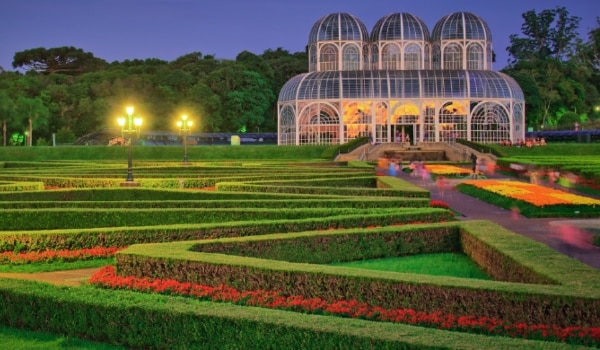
(116, 30)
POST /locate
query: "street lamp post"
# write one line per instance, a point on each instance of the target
(185, 127)
(130, 126)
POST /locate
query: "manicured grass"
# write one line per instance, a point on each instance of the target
(445, 264)
(196, 153)
(551, 149)
(56, 266)
(12, 338)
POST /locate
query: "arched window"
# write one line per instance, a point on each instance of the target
(412, 57)
(490, 123)
(351, 58)
(329, 58)
(287, 126)
(474, 57)
(318, 124)
(452, 57)
(452, 122)
(390, 57)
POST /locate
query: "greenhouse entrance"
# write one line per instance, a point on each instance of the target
(404, 133)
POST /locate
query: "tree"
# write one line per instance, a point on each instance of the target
(66, 59)
(209, 108)
(549, 34)
(285, 66)
(7, 111)
(34, 110)
(593, 45)
(186, 60)
(248, 105)
(549, 64)
(257, 64)
(533, 100)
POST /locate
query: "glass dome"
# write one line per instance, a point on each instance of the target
(336, 27)
(461, 26)
(400, 26)
(380, 84)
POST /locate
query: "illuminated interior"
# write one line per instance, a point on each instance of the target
(400, 82)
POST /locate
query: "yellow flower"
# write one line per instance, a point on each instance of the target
(534, 194)
(440, 169)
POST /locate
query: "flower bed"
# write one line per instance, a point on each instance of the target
(532, 200)
(57, 255)
(447, 170)
(439, 204)
(106, 278)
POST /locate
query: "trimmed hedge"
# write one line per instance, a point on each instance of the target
(23, 241)
(70, 218)
(21, 186)
(292, 202)
(562, 300)
(165, 322)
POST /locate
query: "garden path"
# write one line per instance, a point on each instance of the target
(566, 235)
(72, 278)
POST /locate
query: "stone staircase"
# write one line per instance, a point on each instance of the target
(430, 151)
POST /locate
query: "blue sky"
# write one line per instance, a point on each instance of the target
(167, 29)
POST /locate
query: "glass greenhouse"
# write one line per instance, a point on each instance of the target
(400, 83)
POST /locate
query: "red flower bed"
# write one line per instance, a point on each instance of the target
(438, 204)
(106, 278)
(57, 255)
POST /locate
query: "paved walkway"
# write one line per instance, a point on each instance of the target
(568, 236)
(65, 278)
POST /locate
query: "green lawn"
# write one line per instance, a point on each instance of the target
(12, 338)
(446, 264)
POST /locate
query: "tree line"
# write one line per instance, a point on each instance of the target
(69, 92)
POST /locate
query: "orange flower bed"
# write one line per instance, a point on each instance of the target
(539, 196)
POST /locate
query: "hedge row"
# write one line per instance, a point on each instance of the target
(298, 188)
(71, 218)
(324, 202)
(21, 186)
(562, 301)
(166, 171)
(244, 153)
(28, 183)
(586, 166)
(22, 241)
(145, 321)
(139, 194)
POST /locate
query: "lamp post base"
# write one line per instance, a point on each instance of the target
(130, 184)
